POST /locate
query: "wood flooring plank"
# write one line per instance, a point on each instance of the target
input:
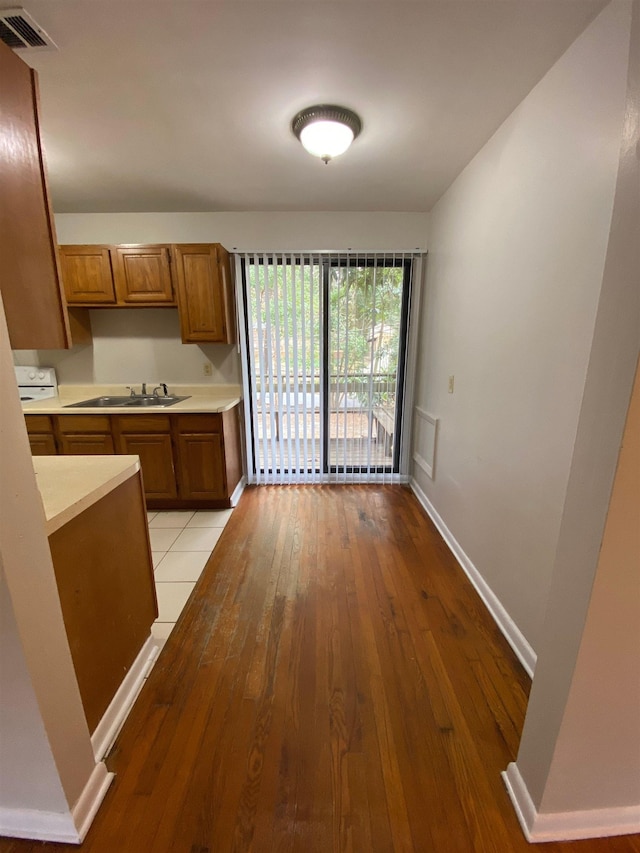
(410, 699)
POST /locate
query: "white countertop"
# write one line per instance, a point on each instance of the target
(70, 484)
(201, 399)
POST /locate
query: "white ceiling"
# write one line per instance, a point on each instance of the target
(185, 105)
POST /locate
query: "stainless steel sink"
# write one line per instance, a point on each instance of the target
(143, 402)
(147, 401)
(99, 402)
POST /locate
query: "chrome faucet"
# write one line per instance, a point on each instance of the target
(143, 390)
(158, 387)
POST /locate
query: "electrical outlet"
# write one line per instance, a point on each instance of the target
(207, 369)
(451, 381)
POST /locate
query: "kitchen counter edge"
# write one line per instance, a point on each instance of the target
(70, 484)
(194, 405)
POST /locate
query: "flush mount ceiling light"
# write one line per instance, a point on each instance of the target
(326, 130)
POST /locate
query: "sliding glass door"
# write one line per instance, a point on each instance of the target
(365, 331)
(325, 360)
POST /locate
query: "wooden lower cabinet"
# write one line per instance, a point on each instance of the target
(201, 457)
(102, 563)
(86, 445)
(84, 435)
(201, 466)
(209, 460)
(149, 437)
(41, 436)
(43, 445)
(187, 461)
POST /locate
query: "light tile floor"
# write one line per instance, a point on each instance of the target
(181, 543)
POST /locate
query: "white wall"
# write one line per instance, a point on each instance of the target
(37, 665)
(608, 772)
(29, 778)
(250, 231)
(587, 685)
(516, 257)
(134, 345)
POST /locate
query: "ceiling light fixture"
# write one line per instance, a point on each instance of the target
(326, 130)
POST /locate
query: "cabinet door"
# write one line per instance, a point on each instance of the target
(205, 293)
(202, 472)
(87, 276)
(143, 275)
(156, 461)
(30, 278)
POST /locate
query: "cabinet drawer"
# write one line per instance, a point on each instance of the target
(84, 423)
(42, 444)
(136, 424)
(38, 423)
(199, 423)
(86, 444)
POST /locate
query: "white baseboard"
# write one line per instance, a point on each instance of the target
(69, 827)
(566, 826)
(512, 633)
(113, 718)
(239, 489)
(90, 799)
(39, 826)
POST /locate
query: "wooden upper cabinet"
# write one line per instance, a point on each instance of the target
(29, 273)
(117, 276)
(142, 274)
(205, 293)
(87, 276)
(198, 275)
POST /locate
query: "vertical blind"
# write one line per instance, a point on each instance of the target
(324, 365)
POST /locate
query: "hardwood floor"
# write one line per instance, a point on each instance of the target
(334, 684)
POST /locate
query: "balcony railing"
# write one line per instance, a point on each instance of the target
(360, 420)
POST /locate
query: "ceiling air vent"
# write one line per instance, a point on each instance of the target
(20, 31)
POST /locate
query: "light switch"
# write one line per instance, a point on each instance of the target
(451, 381)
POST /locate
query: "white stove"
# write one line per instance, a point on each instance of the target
(36, 383)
